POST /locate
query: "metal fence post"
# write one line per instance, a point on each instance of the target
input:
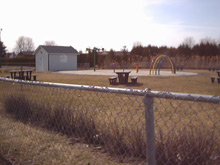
(150, 134)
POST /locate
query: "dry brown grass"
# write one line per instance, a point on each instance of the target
(200, 84)
(186, 84)
(118, 123)
(24, 144)
(192, 84)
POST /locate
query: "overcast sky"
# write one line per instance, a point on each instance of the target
(109, 23)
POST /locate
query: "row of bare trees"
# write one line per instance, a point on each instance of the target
(26, 44)
(23, 44)
(207, 47)
(188, 53)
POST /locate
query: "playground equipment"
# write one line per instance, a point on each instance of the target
(157, 63)
(114, 64)
(94, 51)
(137, 67)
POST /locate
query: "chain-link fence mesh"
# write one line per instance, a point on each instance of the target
(44, 123)
(187, 132)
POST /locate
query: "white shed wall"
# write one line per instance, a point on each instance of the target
(62, 62)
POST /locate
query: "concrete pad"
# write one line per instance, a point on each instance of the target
(108, 72)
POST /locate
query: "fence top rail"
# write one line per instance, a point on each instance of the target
(146, 92)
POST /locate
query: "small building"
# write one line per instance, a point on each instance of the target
(10, 55)
(55, 58)
(26, 54)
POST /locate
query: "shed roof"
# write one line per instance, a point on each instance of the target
(59, 49)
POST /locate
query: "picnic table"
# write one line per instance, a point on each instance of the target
(21, 74)
(217, 78)
(123, 77)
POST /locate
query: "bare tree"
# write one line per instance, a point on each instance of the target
(189, 41)
(50, 43)
(137, 44)
(218, 41)
(208, 40)
(24, 44)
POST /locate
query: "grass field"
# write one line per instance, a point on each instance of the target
(31, 145)
(186, 84)
(110, 111)
(200, 84)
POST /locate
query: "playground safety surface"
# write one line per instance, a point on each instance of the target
(141, 72)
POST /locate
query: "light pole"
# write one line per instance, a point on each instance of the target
(0, 33)
(2, 45)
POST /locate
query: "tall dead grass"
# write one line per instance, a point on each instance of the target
(183, 147)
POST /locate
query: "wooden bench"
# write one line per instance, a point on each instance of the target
(134, 79)
(180, 67)
(218, 80)
(35, 77)
(213, 79)
(112, 80)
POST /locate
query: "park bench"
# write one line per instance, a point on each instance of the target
(112, 80)
(179, 67)
(213, 79)
(214, 68)
(134, 79)
(35, 77)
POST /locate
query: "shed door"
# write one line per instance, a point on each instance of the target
(41, 66)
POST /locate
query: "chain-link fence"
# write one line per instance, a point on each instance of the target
(50, 123)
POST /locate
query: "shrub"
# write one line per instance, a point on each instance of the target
(187, 146)
(19, 61)
(19, 107)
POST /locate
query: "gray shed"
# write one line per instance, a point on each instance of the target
(55, 58)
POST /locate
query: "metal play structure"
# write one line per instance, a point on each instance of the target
(95, 52)
(157, 64)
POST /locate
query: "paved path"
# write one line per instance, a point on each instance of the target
(108, 72)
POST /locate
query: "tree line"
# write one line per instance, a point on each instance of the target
(104, 60)
(188, 49)
(207, 48)
(23, 44)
